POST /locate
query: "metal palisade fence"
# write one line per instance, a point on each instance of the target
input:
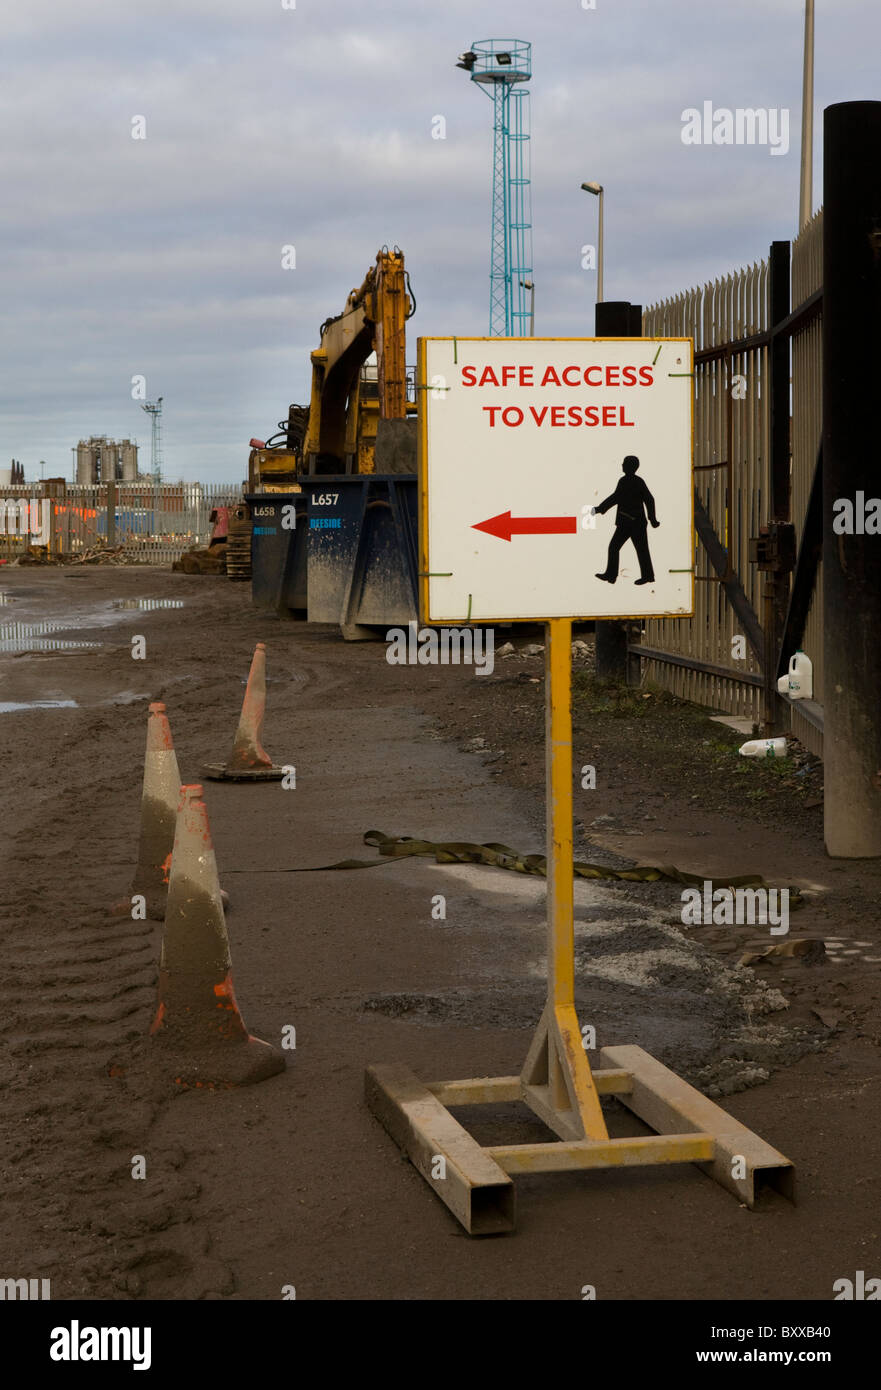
(154, 524)
(756, 450)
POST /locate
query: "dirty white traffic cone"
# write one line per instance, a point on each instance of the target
(249, 761)
(198, 1032)
(159, 802)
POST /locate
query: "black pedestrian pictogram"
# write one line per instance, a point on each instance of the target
(635, 505)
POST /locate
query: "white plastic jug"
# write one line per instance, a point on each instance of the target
(799, 683)
(801, 677)
(764, 748)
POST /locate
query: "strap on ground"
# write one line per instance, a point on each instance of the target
(501, 856)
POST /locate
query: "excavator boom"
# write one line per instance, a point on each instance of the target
(374, 320)
(354, 413)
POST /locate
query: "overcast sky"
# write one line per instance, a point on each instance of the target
(312, 127)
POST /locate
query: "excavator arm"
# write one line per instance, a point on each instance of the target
(374, 319)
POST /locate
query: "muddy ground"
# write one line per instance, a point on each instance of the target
(292, 1182)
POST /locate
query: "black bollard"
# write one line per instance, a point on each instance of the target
(851, 452)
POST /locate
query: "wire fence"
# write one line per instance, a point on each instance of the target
(153, 524)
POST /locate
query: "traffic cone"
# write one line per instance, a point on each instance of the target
(198, 1026)
(159, 802)
(249, 761)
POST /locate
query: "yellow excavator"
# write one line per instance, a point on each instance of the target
(359, 418)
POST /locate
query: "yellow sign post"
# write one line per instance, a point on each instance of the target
(557, 1082)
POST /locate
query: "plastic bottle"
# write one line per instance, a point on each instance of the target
(801, 676)
(764, 748)
(798, 684)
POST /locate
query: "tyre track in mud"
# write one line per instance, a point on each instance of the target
(240, 1195)
(80, 982)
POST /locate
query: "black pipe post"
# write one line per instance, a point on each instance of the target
(615, 319)
(775, 587)
(851, 453)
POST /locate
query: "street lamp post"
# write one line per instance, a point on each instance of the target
(598, 190)
(530, 285)
(806, 189)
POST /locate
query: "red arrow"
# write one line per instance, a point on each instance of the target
(505, 525)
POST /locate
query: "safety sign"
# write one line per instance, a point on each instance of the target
(555, 478)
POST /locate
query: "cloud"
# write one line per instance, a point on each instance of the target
(268, 126)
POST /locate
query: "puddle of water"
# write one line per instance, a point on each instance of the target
(148, 603)
(34, 637)
(10, 707)
(126, 697)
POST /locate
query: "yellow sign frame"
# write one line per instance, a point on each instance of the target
(557, 1082)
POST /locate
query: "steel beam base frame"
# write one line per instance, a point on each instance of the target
(476, 1182)
(219, 772)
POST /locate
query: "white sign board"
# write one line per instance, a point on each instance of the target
(555, 478)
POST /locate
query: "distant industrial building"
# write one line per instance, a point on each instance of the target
(12, 476)
(99, 459)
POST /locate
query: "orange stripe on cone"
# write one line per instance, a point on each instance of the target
(198, 1023)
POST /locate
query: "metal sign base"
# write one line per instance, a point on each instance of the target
(219, 772)
(557, 1082)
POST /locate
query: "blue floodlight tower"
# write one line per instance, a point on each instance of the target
(501, 67)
